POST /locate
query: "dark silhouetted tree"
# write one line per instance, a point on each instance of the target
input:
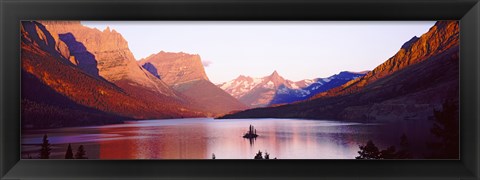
(369, 151)
(69, 153)
(45, 148)
(267, 156)
(446, 129)
(80, 153)
(213, 156)
(259, 155)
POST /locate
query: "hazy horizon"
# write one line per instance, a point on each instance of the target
(306, 50)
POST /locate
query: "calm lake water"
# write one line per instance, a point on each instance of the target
(199, 138)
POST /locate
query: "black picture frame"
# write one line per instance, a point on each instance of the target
(13, 11)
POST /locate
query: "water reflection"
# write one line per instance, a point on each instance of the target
(200, 138)
(252, 141)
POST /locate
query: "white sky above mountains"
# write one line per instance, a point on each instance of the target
(297, 50)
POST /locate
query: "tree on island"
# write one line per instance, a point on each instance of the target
(213, 156)
(446, 129)
(69, 153)
(45, 148)
(80, 153)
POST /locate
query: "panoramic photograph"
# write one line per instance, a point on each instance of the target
(258, 90)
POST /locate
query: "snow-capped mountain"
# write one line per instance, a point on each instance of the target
(286, 94)
(259, 92)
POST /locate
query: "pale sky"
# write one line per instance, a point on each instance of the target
(297, 50)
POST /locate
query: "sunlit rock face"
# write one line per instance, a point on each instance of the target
(175, 68)
(105, 54)
(185, 73)
(443, 36)
(57, 91)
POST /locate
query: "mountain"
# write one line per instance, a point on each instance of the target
(285, 95)
(259, 92)
(274, 89)
(57, 91)
(105, 54)
(410, 85)
(175, 68)
(185, 74)
(440, 38)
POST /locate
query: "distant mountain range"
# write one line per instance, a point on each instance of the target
(286, 95)
(409, 85)
(274, 89)
(257, 92)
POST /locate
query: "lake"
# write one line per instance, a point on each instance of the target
(199, 138)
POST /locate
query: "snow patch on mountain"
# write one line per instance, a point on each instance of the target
(274, 89)
(289, 94)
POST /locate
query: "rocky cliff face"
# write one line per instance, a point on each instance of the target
(408, 86)
(57, 93)
(36, 34)
(185, 73)
(104, 54)
(175, 68)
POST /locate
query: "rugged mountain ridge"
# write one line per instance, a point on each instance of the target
(185, 73)
(274, 89)
(175, 68)
(440, 38)
(56, 92)
(258, 92)
(105, 54)
(285, 95)
(410, 85)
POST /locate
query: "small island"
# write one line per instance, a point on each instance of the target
(252, 133)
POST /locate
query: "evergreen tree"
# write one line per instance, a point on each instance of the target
(369, 151)
(446, 129)
(259, 155)
(45, 148)
(267, 156)
(213, 156)
(80, 153)
(69, 153)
